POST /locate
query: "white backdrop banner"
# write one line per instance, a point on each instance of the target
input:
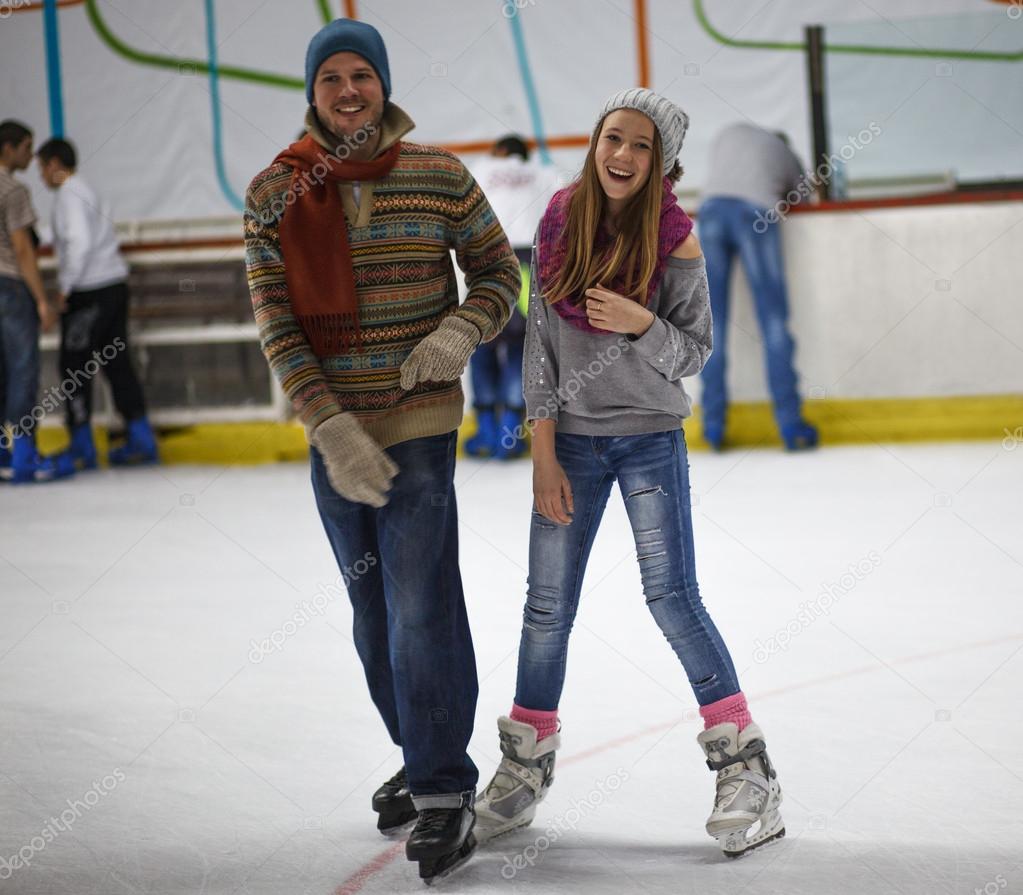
(175, 106)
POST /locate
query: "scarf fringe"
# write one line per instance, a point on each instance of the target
(330, 334)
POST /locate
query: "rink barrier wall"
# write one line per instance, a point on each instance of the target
(885, 309)
(978, 418)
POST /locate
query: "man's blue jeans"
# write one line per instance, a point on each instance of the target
(19, 355)
(727, 228)
(653, 474)
(411, 630)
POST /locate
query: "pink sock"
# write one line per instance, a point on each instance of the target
(546, 723)
(731, 708)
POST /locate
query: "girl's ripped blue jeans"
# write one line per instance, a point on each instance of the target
(652, 472)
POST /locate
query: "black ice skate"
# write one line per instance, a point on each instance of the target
(442, 841)
(393, 802)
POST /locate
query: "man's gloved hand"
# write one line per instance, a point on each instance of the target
(442, 355)
(357, 467)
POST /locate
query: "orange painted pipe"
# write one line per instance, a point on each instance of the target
(37, 7)
(566, 142)
(642, 49)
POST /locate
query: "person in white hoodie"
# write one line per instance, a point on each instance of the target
(93, 281)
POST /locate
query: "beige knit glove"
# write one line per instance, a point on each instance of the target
(442, 355)
(357, 467)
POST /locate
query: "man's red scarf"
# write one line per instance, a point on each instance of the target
(314, 242)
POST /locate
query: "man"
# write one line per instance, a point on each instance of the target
(93, 281)
(24, 309)
(751, 170)
(518, 190)
(348, 237)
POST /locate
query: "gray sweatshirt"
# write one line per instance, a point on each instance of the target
(748, 162)
(613, 384)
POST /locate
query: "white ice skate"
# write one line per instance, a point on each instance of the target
(520, 782)
(745, 813)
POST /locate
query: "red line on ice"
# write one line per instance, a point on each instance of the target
(357, 880)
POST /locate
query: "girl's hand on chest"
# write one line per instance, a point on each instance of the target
(615, 313)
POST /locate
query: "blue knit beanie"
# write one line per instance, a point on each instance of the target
(347, 35)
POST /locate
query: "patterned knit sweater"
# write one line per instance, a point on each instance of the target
(401, 230)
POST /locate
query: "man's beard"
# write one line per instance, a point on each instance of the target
(345, 144)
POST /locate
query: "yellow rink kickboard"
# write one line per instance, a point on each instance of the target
(982, 418)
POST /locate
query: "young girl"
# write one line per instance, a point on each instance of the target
(618, 314)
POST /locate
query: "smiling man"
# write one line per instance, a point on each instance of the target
(348, 240)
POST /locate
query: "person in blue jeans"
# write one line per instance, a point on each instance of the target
(495, 371)
(24, 311)
(751, 170)
(518, 189)
(354, 291)
(618, 314)
(19, 373)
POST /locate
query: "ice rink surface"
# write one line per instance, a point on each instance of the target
(871, 597)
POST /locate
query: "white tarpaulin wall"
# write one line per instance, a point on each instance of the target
(136, 99)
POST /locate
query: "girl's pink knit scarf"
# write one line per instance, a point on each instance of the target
(552, 247)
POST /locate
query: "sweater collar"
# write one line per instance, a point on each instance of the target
(393, 126)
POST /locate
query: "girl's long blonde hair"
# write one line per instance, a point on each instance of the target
(635, 247)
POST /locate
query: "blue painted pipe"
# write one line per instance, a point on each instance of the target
(218, 135)
(511, 12)
(53, 76)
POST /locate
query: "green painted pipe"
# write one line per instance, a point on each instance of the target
(292, 83)
(196, 65)
(974, 55)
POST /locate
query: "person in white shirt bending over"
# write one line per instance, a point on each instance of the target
(93, 281)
